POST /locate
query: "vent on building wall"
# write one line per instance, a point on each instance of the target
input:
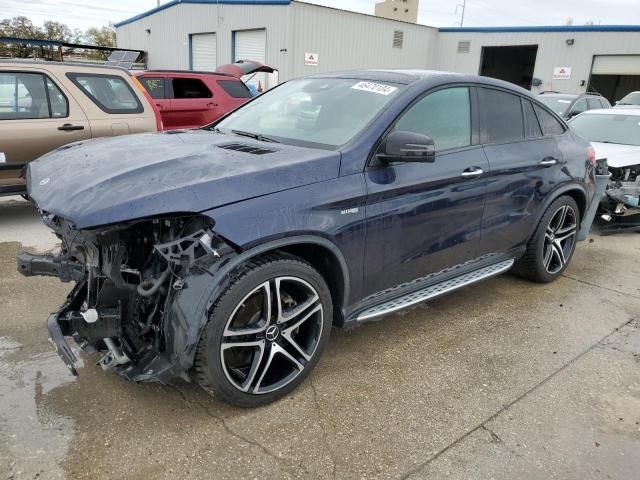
(464, 46)
(398, 38)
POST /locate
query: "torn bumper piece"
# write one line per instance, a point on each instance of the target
(49, 266)
(60, 344)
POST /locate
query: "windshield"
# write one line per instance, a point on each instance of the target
(317, 112)
(623, 129)
(558, 105)
(632, 98)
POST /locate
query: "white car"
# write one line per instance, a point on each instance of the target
(615, 135)
(630, 100)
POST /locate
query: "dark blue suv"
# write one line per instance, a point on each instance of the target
(226, 254)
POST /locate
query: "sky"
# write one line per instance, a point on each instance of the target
(440, 13)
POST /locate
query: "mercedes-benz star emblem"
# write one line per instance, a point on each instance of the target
(272, 333)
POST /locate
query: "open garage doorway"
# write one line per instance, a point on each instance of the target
(613, 76)
(513, 64)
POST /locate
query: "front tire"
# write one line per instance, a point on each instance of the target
(551, 247)
(265, 333)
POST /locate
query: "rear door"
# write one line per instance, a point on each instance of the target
(524, 164)
(158, 90)
(425, 217)
(36, 115)
(192, 103)
(113, 103)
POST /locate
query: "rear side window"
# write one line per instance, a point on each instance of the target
(531, 126)
(155, 86)
(593, 103)
(30, 96)
(444, 115)
(550, 124)
(235, 89)
(190, 88)
(111, 93)
(502, 116)
(580, 106)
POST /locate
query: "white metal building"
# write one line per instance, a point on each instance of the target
(301, 39)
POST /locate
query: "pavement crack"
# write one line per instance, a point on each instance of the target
(285, 463)
(326, 447)
(571, 277)
(418, 468)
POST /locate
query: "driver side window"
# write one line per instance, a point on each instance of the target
(579, 107)
(444, 115)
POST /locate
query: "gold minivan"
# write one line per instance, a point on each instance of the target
(44, 105)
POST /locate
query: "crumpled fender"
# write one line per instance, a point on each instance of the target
(208, 278)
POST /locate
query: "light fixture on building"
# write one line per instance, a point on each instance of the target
(148, 30)
(570, 41)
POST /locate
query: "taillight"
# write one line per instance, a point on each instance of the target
(156, 112)
(591, 153)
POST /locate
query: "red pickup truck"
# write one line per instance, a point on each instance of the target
(188, 99)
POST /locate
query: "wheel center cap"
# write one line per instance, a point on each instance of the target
(272, 333)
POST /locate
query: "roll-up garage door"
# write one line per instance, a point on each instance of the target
(203, 52)
(616, 65)
(252, 45)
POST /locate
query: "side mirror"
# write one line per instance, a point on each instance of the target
(402, 146)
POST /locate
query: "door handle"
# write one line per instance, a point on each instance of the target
(473, 172)
(548, 161)
(212, 104)
(161, 107)
(67, 127)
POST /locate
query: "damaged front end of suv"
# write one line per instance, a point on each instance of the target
(133, 292)
(620, 207)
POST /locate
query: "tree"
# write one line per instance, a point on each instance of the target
(101, 37)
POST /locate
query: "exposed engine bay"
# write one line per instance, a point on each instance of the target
(620, 207)
(127, 278)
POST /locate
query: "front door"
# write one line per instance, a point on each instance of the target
(36, 116)
(159, 91)
(425, 217)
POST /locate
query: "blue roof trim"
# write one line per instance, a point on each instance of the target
(564, 28)
(170, 4)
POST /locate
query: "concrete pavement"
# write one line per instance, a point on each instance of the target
(505, 379)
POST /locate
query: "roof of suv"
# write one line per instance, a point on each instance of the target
(430, 77)
(570, 95)
(634, 111)
(59, 65)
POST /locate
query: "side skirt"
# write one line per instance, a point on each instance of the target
(430, 287)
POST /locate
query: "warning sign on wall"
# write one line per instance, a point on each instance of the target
(562, 73)
(311, 59)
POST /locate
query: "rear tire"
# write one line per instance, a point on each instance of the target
(551, 247)
(265, 332)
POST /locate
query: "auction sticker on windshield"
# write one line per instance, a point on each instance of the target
(372, 87)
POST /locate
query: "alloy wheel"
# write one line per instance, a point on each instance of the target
(271, 335)
(559, 239)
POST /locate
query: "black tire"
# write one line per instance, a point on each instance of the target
(544, 242)
(225, 372)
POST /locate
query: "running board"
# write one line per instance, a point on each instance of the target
(436, 290)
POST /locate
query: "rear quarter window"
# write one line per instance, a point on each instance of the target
(111, 93)
(550, 124)
(235, 88)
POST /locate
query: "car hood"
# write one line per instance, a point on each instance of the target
(617, 155)
(112, 180)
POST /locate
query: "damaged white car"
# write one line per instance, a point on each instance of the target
(615, 135)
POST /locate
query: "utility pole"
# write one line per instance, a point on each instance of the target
(463, 7)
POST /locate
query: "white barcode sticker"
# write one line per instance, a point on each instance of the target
(2, 157)
(372, 87)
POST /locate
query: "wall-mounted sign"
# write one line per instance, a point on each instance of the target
(562, 73)
(311, 59)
